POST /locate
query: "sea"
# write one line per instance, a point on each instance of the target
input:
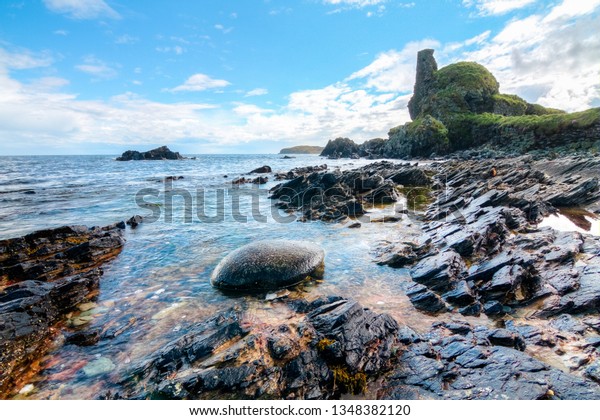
(159, 285)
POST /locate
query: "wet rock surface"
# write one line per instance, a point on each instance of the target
(462, 361)
(268, 265)
(484, 216)
(43, 276)
(334, 196)
(482, 253)
(327, 348)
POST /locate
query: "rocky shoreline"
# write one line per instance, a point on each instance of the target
(44, 276)
(519, 302)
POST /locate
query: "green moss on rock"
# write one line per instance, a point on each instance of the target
(420, 138)
(460, 106)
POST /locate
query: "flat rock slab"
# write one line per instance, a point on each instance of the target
(268, 265)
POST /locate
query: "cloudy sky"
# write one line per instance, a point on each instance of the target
(252, 76)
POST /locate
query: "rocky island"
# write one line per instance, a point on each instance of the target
(160, 153)
(301, 150)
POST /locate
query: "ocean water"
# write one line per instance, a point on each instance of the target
(159, 285)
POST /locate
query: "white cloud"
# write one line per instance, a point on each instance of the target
(126, 39)
(551, 58)
(223, 29)
(61, 32)
(394, 71)
(82, 9)
(257, 92)
(476, 40)
(176, 49)
(354, 3)
(199, 82)
(571, 8)
(97, 68)
(496, 7)
(23, 59)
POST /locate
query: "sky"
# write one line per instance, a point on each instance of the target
(254, 76)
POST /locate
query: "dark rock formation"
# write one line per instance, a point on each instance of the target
(134, 221)
(268, 265)
(325, 348)
(43, 276)
(296, 172)
(459, 361)
(372, 149)
(488, 220)
(459, 106)
(333, 196)
(160, 153)
(340, 148)
(262, 170)
(260, 180)
(425, 83)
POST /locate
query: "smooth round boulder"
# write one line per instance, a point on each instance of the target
(268, 265)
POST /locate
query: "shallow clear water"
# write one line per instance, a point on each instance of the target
(159, 285)
(573, 220)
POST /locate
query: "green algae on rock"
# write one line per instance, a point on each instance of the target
(268, 265)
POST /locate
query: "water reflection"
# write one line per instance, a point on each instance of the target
(573, 220)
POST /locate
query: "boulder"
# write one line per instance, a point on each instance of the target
(268, 265)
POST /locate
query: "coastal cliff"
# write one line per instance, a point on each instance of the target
(460, 107)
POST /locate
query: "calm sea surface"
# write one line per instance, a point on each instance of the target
(159, 285)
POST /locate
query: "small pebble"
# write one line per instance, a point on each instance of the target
(26, 389)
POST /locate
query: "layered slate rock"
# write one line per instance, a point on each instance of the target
(484, 216)
(323, 349)
(43, 276)
(268, 265)
(160, 153)
(456, 360)
(335, 196)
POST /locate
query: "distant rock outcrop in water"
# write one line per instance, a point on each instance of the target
(161, 153)
(340, 148)
(347, 148)
(301, 150)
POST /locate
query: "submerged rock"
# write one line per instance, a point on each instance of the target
(268, 265)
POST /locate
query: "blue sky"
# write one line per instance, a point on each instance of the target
(253, 76)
